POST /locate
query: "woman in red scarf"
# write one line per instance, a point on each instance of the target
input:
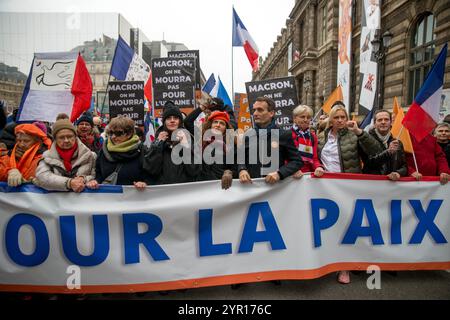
(20, 165)
(69, 164)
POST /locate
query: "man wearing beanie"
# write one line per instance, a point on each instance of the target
(158, 161)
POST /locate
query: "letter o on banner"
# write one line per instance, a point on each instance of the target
(42, 249)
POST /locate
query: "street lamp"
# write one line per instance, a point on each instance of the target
(380, 46)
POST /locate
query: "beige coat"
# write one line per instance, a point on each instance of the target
(52, 175)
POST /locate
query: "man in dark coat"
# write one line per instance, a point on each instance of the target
(284, 159)
(391, 160)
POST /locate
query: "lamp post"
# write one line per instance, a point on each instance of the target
(380, 46)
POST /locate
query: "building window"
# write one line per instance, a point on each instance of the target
(421, 54)
(323, 30)
(300, 41)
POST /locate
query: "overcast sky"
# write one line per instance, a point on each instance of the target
(203, 25)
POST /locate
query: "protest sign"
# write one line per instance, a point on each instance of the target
(127, 98)
(283, 91)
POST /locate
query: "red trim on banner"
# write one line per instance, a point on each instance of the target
(230, 279)
(360, 176)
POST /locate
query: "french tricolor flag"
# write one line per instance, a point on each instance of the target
(59, 82)
(128, 66)
(241, 38)
(423, 114)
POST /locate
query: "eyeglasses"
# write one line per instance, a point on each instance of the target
(117, 133)
(68, 137)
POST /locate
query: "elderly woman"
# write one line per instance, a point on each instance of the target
(69, 164)
(20, 165)
(120, 162)
(305, 140)
(88, 134)
(340, 148)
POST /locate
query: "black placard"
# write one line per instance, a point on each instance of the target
(282, 90)
(127, 98)
(190, 54)
(173, 79)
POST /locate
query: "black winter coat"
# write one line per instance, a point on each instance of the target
(213, 171)
(289, 157)
(132, 165)
(8, 135)
(158, 163)
(384, 163)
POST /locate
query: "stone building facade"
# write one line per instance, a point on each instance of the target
(12, 83)
(308, 44)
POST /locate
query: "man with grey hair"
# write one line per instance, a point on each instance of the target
(442, 134)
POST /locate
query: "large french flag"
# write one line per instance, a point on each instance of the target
(423, 114)
(59, 82)
(241, 38)
(128, 66)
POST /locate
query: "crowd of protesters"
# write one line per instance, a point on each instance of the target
(68, 156)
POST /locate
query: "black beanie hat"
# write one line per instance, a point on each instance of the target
(170, 109)
(86, 117)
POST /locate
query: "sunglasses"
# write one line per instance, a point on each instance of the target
(117, 133)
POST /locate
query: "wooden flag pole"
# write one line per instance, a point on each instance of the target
(414, 155)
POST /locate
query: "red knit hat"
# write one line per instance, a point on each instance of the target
(219, 115)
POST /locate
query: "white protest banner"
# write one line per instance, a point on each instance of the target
(196, 234)
(344, 49)
(370, 22)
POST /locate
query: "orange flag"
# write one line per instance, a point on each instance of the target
(398, 131)
(336, 95)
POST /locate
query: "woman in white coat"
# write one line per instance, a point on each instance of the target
(68, 165)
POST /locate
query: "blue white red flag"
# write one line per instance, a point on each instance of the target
(216, 89)
(241, 38)
(423, 114)
(59, 82)
(128, 66)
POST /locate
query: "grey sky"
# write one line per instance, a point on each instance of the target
(200, 24)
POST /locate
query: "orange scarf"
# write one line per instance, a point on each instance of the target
(28, 162)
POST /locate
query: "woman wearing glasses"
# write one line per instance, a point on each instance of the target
(68, 165)
(121, 158)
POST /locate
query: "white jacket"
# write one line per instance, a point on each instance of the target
(52, 175)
